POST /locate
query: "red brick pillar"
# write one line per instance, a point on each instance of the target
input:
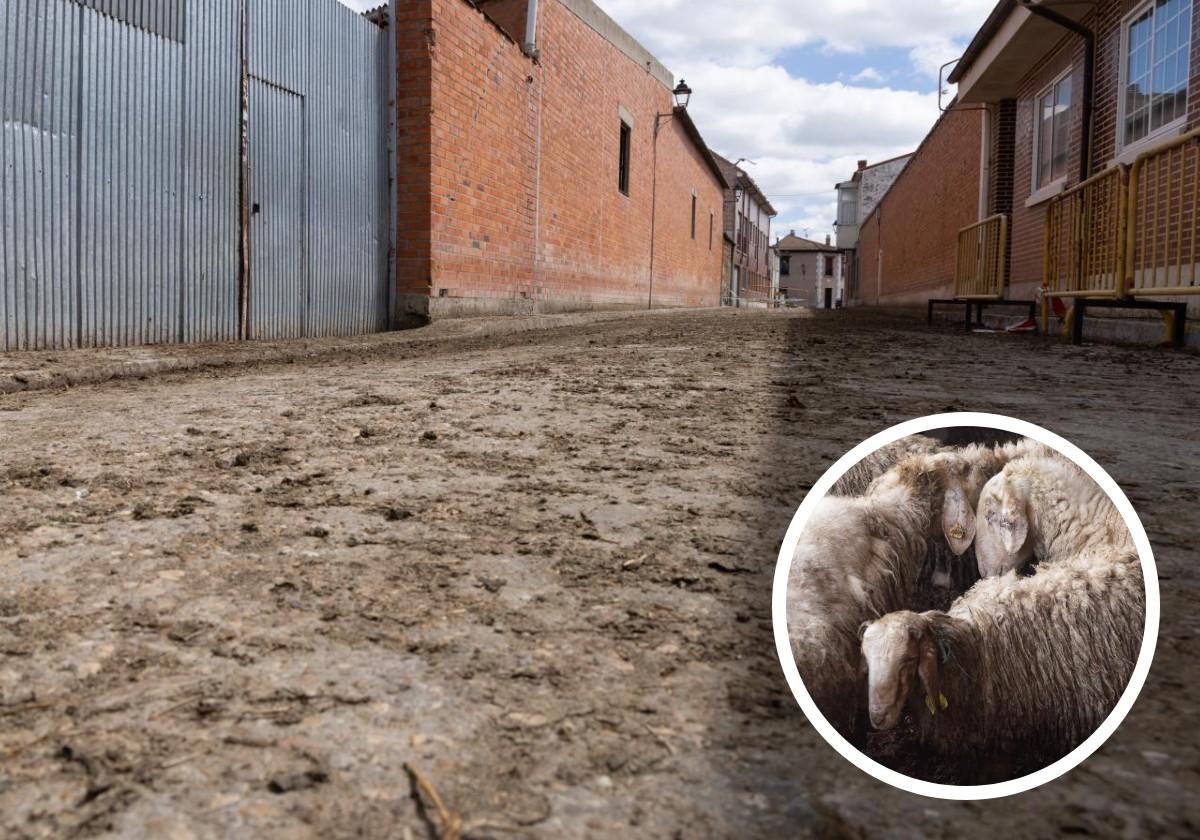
(412, 27)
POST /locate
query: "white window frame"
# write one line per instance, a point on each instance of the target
(847, 197)
(1054, 185)
(1125, 150)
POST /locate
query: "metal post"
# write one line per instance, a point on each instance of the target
(244, 179)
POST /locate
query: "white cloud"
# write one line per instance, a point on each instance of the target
(806, 136)
(756, 33)
(867, 74)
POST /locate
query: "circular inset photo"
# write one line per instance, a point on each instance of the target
(966, 606)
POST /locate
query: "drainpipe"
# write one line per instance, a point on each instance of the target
(531, 48)
(985, 166)
(1089, 73)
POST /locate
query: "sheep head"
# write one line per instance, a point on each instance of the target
(1003, 540)
(901, 651)
(958, 519)
(955, 484)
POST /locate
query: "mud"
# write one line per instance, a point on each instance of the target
(536, 568)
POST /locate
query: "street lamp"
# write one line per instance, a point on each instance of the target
(683, 94)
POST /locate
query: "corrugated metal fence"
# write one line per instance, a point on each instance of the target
(122, 188)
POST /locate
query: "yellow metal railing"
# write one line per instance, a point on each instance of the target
(979, 272)
(1086, 238)
(1129, 232)
(1164, 223)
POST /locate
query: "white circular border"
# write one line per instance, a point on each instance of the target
(932, 789)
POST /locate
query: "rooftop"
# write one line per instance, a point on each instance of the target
(735, 175)
(792, 242)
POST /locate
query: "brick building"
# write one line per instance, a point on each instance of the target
(1025, 130)
(810, 273)
(747, 220)
(907, 244)
(857, 198)
(544, 174)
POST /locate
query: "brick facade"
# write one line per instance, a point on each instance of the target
(747, 218)
(907, 247)
(507, 179)
(1028, 223)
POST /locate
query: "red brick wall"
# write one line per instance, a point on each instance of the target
(869, 282)
(915, 227)
(524, 209)
(412, 23)
(1028, 224)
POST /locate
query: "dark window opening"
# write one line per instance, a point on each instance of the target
(711, 223)
(829, 266)
(693, 217)
(626, 148)
(785, 265)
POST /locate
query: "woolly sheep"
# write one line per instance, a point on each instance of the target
(1044, 508)
(1037, 662)
(859, 477)
(859, 558)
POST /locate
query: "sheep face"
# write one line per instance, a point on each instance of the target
(958, 519)
(898, 650)
(1003, 541)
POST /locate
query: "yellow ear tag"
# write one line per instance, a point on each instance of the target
(929, 705)
(945, 702)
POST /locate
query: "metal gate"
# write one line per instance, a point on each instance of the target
(279, 294)
(135, 136)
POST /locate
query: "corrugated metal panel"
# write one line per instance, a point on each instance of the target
(132, 169)
(279, 288)
(161, 17)
(278, 48)
(38, 142)
(120, 155)
(348, 193)
(212, 107)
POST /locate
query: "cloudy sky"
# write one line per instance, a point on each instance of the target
(804, 89)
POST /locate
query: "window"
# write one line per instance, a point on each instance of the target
(712, 220)
(693, 215)
(626, 141)
(848, 208)
(1052, 133)
(1155, 66)
(828, 266)
(785, 266)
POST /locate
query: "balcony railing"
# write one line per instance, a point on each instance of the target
(979, 272)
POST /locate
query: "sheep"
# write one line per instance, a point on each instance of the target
(1035, 662)
(859, 477)
(1043, 507)
(859, 558)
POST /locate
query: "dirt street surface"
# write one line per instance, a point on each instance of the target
(535, 567)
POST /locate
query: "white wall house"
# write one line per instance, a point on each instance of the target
(811, 273)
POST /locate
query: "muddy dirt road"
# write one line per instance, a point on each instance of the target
(536, 567)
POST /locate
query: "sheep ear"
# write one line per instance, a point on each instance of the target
(928, 670)
(958, 520)
(1014, 518)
